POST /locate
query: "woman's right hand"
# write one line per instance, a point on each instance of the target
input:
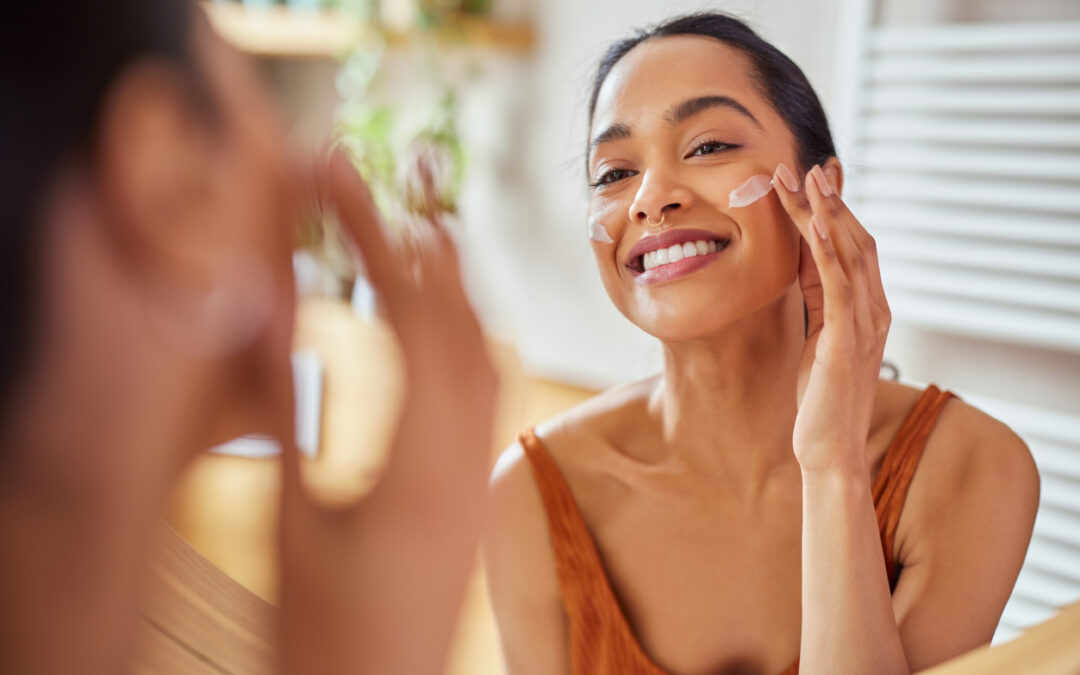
(376, 586)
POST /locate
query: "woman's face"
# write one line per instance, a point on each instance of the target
(679, 123)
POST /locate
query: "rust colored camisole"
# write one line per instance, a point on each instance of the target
(600, 637)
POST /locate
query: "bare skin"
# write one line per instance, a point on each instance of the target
(729, 497)
(133, 377)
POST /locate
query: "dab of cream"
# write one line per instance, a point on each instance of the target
(598, 233)
(749, 192)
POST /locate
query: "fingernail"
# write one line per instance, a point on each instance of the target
(822, 181)
(787, 178)
(819, 227)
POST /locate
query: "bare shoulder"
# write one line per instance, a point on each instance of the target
(963, 533)
(978, 471)
(520, 571)
(518, 521)
(516, 532)
(980, 456)
(595, 420)
(519, 555)
(965, 442)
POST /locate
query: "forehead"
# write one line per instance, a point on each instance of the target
(662, 71)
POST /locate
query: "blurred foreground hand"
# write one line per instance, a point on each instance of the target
(376, 586)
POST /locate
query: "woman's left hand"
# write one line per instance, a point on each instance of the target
(848, 322)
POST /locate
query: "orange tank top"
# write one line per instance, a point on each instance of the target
(601, 640)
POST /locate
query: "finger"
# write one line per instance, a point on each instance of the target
(858, 250)
(833, 288)
(837, 293)
(824, 202)
(356, 209)
(446, 253)
(432, 208)
(829, 294)
(793, 199)
(810, 284)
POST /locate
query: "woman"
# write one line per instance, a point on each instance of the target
(148, 214)
(754, 508)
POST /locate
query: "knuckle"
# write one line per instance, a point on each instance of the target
(845, 292)
(827, 253)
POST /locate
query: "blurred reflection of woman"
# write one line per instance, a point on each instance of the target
(148, 215)
(756, 507)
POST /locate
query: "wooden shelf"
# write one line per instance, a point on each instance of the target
(279, 31)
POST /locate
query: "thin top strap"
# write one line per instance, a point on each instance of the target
(898, 467)
(601, 640)
(576, 557)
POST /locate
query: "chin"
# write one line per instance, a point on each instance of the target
(675, 314)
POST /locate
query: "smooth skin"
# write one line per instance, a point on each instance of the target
(127, 387)
(729, 497)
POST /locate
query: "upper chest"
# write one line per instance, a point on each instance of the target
(703, 580)
(703, 586)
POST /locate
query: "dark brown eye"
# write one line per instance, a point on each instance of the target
(709, 147)
(612, 176)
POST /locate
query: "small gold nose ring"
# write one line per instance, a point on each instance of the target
(663, 216)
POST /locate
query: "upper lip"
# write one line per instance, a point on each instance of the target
(669, 238)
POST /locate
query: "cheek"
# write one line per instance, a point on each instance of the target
(772, 241)
(606, 220)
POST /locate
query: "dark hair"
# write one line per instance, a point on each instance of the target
(783, 83)
(57, 61)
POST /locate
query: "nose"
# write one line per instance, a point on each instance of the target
(659, 196)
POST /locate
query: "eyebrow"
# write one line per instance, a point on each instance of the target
(681, 112)
(615, 132)
(676, 115)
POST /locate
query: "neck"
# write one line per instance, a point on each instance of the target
(726, 404)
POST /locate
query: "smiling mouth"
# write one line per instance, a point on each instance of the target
(676, 252)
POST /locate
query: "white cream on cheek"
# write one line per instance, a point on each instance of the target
(598, 233)
(753, 189)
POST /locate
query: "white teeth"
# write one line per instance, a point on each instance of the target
(677, 252)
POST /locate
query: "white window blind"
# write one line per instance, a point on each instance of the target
(965, 162)
(961, 144)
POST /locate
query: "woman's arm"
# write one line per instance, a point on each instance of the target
(963, 536)
(849, 621)
(520, 566)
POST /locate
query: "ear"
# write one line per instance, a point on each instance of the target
(834, 171)
(151, 159)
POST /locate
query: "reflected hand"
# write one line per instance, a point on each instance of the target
(375, 586)
(848, 322)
